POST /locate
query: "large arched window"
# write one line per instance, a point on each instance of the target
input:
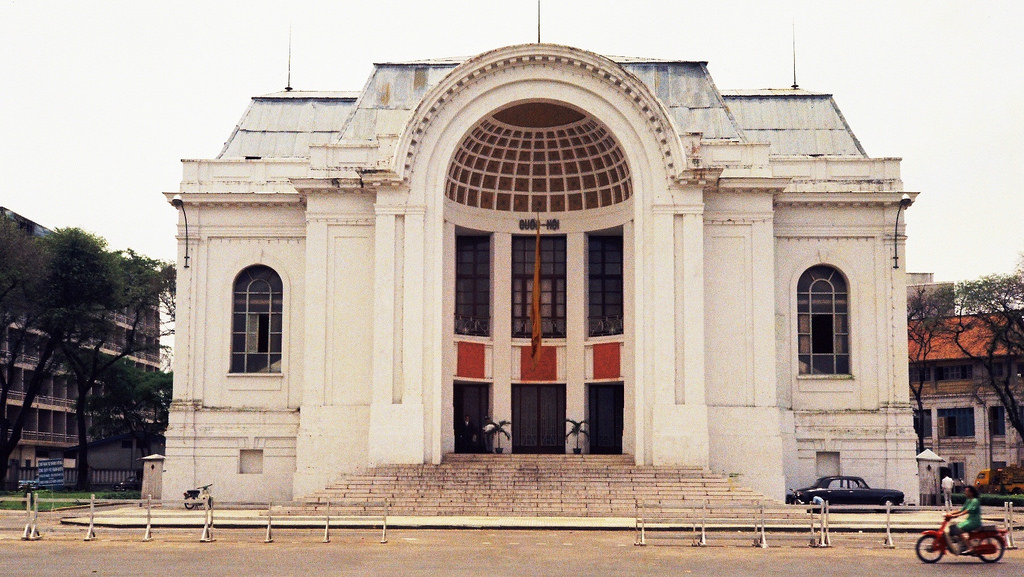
(256, 321)
(823, 327)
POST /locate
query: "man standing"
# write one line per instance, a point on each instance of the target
(464, 436)
(947, 491)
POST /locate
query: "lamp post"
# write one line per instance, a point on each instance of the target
(177, 202)
(904, 203)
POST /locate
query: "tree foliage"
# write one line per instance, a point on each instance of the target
(23, 315)
(990, 331)
(928, 310)
(131, 401)
(84, 306)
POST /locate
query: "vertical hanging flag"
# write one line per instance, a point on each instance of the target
(535, 336)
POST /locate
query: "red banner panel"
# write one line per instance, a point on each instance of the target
(547, 365)
(607, 364)
(471, 361)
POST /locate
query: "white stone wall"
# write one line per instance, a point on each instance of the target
(712, 256)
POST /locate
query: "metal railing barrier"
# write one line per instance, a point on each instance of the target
(888, 526)
(207, 536)
(90, 533)
(327, 523)
(270, 521)
(129, 514)
(31, 532)
(1008, 523)
(698, 516)
(149, 519)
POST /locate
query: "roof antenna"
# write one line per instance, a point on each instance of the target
(288, 86)
(538, 21)
(795, 85)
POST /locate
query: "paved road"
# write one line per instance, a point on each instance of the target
(485, 552)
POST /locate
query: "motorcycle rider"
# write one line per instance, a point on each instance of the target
(972, 509)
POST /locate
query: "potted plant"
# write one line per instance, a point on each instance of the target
(492, 429)
(578, 428)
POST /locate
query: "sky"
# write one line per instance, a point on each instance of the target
(100, 100)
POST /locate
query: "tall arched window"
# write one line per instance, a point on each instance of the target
(256, 321)
(823, 327)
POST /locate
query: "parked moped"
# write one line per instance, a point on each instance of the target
(197, 498)
(987, 543)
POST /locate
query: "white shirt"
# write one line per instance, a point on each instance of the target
(947, 484)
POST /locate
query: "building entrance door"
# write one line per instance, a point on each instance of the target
(605, 402)
(471, 401)
(538, 418)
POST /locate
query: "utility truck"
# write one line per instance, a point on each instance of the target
(1006, 480)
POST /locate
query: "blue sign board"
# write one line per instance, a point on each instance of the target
(51, 473)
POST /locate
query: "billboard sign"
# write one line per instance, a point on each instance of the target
(51, 473)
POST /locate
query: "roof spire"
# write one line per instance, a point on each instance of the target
(288, 85)
(538, 21)
(795, 85)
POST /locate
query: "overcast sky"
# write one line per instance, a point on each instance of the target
(99, 101)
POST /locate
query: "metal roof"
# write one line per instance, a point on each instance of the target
(285, 124)
(794, 122)
(690, 96)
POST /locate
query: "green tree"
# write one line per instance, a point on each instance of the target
(101, 299)
(131, 401)
(26, 332)
(928, 311)
(990, 331)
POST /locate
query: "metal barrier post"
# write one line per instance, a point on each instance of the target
(810, 514)
(149, 519)
(384, 525)
(759, 539)
(641, 537)
(888, 527)
(702, 540)
(327, 524)
(825, 540)
(28, 517)
(90, 533)
(270, 535)
(1008, 507)
(31, 517)
(207, 536)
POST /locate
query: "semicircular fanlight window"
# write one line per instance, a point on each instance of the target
(538, 157)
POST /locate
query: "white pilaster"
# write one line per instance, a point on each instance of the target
(576, 325)
(413, 308)
(383, 306)
(501, 327)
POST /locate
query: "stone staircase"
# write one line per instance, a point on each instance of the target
(530, 486)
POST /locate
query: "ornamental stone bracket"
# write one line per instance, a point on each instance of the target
(351, 180)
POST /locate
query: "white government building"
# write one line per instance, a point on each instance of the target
(717, 277)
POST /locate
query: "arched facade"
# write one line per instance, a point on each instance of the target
(670, 244)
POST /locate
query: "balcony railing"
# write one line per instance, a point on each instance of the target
(522, 328)
(475, 326)
(604, 326)
(43, 437)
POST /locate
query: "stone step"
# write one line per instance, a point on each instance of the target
(531, 485)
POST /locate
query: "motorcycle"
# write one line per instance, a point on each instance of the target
(197, 498)
(987, 543)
